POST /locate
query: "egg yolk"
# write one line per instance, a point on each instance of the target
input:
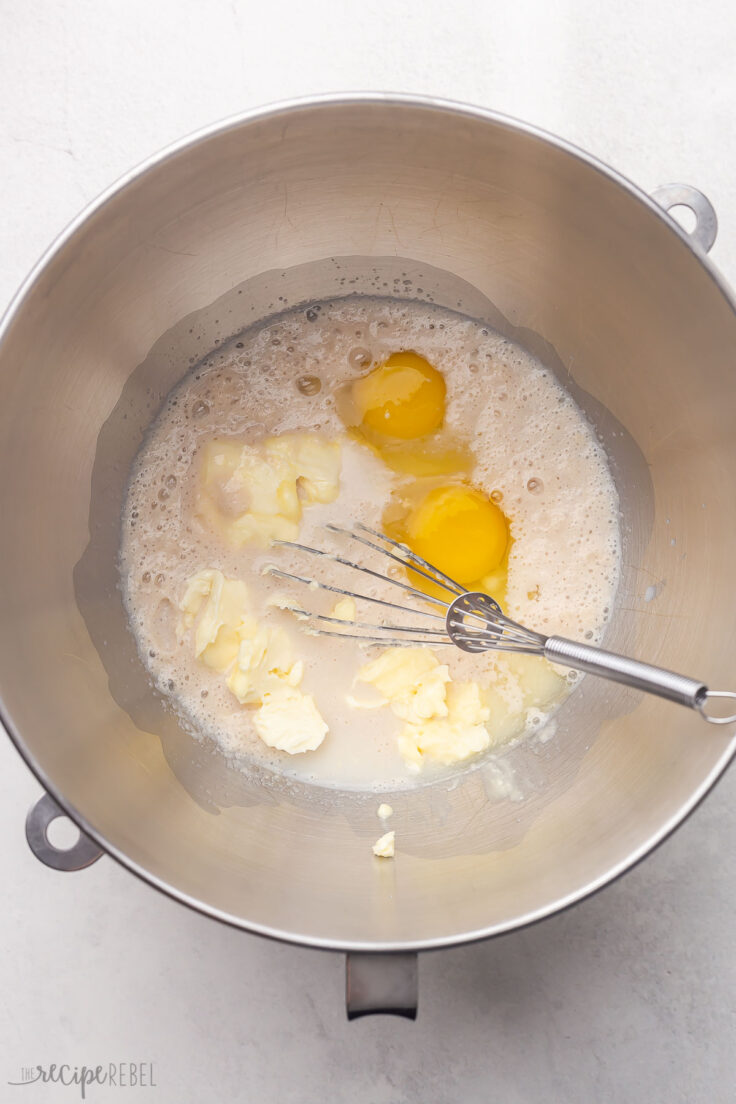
(403, 397)
(459, 530)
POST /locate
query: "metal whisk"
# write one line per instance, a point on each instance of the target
(470, 620)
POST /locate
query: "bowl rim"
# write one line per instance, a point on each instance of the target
(172, 150)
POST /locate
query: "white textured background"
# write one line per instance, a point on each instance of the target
(629, 997)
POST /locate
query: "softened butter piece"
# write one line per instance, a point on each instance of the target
(506, 714)
(385, 847)
(264, 659)
(256, 659)
(222, 606)
(384, 811)
(344, 609)
(316, 461)
(540, 683)
(373, 701)
(280, 600)
(465, 704)
(442, 742)
(459, 735)
(521, 683)
(412, 680)
(254, 494)
(248, 498)
(445, 720)
(289, 720)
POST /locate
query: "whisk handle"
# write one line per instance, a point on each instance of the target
(631, 672)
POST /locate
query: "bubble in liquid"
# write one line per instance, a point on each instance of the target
(146, 577)
(200, 408)
(497, 496)
(359, 358)
(163, 494)
(170, 480)
(312, 314)
(535, 486)
(473, 368)
(160, 579)
(309, 385)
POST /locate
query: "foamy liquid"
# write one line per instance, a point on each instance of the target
(533, 447)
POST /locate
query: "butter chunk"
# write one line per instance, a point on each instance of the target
(288, 720)
(459, 735)
(445, 720)
(442, 741)
(254, 494)
(264, 657)
(222, 607)
(540, 683)
(412, 680)
(316, 462)
(384, 848)
(279, 600)
(256, 659)
(522, 682)
(344, 609)
(374, 702)
(465, 703)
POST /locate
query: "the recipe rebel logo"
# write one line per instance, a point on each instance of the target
(117, 1075)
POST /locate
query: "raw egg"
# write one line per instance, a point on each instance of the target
(404, 397)
(459, 530)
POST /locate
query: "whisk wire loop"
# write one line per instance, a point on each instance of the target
(472, 621)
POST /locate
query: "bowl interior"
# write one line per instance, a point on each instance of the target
(485, 217)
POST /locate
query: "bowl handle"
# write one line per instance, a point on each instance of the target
(82, 853)
(381, 983)
(683, 195)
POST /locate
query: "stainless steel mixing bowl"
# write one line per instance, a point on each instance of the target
(305, 201)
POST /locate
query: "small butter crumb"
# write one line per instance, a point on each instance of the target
(384, 847)
(362, 703)
(278, 600)
(344, 609)
(385, 811)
